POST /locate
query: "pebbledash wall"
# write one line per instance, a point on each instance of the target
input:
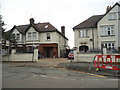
(21, 56)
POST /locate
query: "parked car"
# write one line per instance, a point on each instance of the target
(71, 55)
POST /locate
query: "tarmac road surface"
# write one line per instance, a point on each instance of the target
(50, 77)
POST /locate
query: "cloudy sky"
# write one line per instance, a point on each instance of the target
(58, 12)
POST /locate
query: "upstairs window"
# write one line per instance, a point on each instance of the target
(119, 16)
(34, 35)
(29, 35)
(113, 16)
(83, 33)
(48, 36)
(18, 36)
(107, 30)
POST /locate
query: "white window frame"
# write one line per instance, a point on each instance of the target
(118, 15)
(29, 35)
(82, 33)
(34, 35)
(48, 36)
(107, 30)
(112, 16)
(108, 45)
(17, 36)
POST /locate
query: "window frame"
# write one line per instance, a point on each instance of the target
(112, 16)
(48, 36)
(118, 15)
(107, 30)
(83, 33)
(34, 35)
(18, 37)
(108, 45)
(29, 35)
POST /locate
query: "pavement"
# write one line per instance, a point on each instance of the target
(67, 64)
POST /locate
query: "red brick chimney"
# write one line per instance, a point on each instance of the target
(63, 30)
(32, 20)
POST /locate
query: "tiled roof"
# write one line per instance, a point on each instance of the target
(22, 28)
(40, 27)
(89, 23)
(44, 27)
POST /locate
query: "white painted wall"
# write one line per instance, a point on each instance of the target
(21, 56)
(104, 22)
(31, 29)
(41, 38)
(54, 38)
(15, 31)
(91, 33)
(119, 29)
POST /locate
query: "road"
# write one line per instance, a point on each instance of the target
(50, 77)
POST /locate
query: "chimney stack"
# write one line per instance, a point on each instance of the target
(108, 8)
(32, 20)
(63, 30)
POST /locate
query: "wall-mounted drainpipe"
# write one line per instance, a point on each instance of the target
(93, 37)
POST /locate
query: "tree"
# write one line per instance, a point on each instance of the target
(6, 35)
(7, 39)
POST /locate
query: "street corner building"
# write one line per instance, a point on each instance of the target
(49, 41)
(99, 31)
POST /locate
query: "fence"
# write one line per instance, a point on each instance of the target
(21, 56)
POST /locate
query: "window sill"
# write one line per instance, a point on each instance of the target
(111, 19)
(31, 40)
(48, 40)
(84, 37)
(107, 35)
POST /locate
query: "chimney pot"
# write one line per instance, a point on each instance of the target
(63, 30)
(32, 20)
(108, 8)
